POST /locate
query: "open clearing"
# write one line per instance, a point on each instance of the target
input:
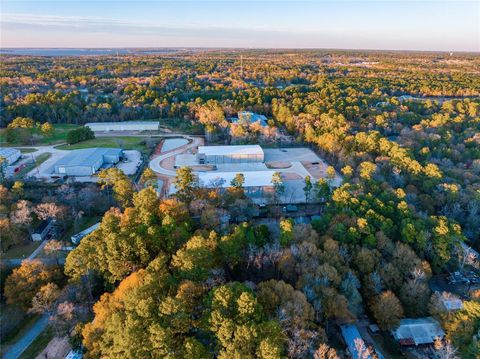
(124, 142)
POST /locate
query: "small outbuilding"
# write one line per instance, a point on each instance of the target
(43, 230)
(123, 126)
(230, 154)
(11, 155)
(419, 331)
(86, 162)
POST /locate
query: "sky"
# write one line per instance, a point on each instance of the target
(394, 25)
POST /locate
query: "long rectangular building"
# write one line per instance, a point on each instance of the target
(124, 126)
(230, 154)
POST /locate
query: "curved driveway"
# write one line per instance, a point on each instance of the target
(155, 164)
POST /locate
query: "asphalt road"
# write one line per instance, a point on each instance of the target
(19, 347)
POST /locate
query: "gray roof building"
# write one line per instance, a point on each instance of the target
(87, 161)
(11, 155)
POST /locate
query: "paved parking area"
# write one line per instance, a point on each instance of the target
(134, 159)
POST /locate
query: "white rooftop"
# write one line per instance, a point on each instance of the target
(230, 150)
(224, 179)
(420, 330)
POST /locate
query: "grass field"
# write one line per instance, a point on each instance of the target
(58, 136)
(21, 250)
(124, 142)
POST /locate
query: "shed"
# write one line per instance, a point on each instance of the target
(418, 331)
(230, 154)
(11, 155)
(123, 126)
(86, 162)
(42, 230)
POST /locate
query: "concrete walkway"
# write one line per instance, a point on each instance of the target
(19, 347)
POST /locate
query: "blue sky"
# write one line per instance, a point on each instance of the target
(399, 25)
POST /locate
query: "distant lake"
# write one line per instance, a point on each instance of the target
(85, 52)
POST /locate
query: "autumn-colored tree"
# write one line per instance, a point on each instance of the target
(44, 300)
(121, 184)
(23, 284)
(148, 177)
(387, 310)
(47, 129)
(237, 321)
(186, 184)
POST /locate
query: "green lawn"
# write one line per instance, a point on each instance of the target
(27, 150)
(21, 250)
(38, 344)
(22, 328)
(58, 136)
(38, 161)
(124, 142)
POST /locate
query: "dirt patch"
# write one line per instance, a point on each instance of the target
(57, 348)
(318, 170)
(279, 164)
(203, 168)
(168, 163)
(288, 176)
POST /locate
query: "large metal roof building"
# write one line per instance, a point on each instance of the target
(230, 154)
(86, 162)
(124, 126)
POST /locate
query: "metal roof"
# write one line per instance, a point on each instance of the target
(7, 152)
(87, 156)
(230, 150)
(224, 179)
(350, 334)
(121, 123)
(420, 330)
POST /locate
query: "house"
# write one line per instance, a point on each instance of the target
(11, 155)
(86, 162)
(247, 118)
(256, 182)
(356, 346)
(43, 230)
(230, 154)
(76, 238)
(124, 126)
(451, 303)
(419, 331)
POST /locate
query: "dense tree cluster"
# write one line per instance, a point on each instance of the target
(196, 275)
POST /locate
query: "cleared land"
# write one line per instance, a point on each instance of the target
(124, 142)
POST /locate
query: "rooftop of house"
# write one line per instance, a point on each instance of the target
(418, 331)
